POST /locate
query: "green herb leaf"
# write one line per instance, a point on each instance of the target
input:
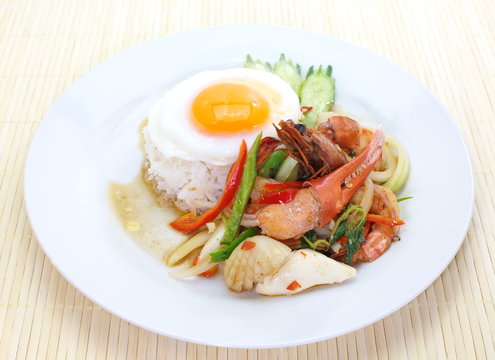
(308, 239)
(404, 198)
(340, 231)
(355, 236)
(351, 226)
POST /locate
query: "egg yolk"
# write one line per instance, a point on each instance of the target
(230, 107)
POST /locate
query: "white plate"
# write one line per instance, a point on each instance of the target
(89, 138)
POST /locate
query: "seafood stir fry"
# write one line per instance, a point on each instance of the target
(300, 209)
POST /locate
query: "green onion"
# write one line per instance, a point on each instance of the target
(242, 196)
(404, 198)
(225, 252)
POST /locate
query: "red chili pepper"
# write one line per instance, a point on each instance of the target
(343, 240)
(267, 146)
(277, 197)
(190, 222)
(367, 228)
(248, 245)
(293, 285)
(282, 186)
(305, 109)
(384, 220)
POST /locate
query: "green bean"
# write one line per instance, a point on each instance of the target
(242, 196)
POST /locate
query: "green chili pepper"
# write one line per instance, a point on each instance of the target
(242, 196)
(224, 253)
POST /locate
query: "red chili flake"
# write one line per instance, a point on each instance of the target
(367, 228)
(343, 240)
(195, 261)
(304, 254)
(293, 285)
(248, 245)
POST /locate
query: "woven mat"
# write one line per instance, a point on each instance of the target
(449, 45)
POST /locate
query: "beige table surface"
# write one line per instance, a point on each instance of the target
(45, 45)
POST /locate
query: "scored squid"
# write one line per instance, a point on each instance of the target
(252, 260)
(304, 269)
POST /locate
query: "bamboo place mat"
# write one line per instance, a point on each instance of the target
(448, 45)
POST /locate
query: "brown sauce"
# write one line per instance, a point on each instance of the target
(144, 220)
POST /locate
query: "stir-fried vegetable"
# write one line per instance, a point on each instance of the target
(207, 273)
(242, 196)
(272, 165)
(288, 171)
(350, 225)
(401, 173)
(224, 253)
(317, 93)
(309, 240)
(187, 247)
(190, 222)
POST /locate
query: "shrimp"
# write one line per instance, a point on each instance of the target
(316, 153)
(293, 219)
(322, 199)
(347, 133)
(380, 237)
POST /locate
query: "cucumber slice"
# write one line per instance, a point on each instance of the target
(317, 91)
(289, 72)
(401, 173)
(288, 171)
(250, 63)
(272, 165)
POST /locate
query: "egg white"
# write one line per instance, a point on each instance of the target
(172, 131)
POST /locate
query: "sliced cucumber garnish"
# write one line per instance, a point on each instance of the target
(289, 72)
(257, 64)
(317, 92)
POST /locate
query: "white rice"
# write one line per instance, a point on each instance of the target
(189, 185)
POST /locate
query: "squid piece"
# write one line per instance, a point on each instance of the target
(304, 269)
(253, 259)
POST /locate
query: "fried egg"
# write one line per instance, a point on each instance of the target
(205, 117)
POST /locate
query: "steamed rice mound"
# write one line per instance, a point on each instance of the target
(189, 185)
